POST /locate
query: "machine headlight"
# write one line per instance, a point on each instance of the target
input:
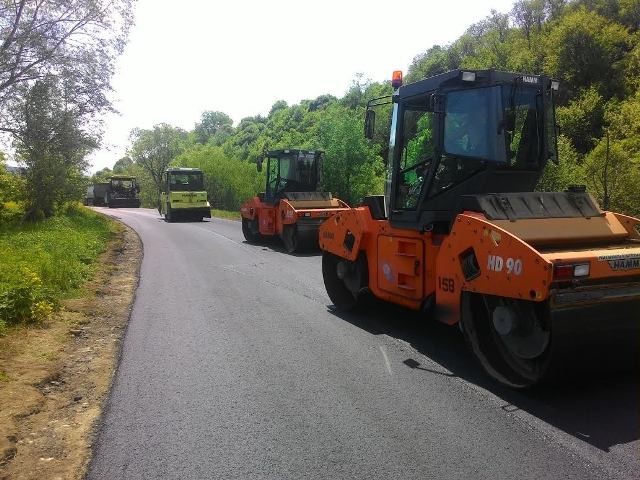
(468, 76)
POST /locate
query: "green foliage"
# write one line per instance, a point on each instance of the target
(590, 45)
(585, 49)
(613, 177)
(102, 176)
(122, 166)
(53, 145)
(12, 192)
(352, 167)
(228, 214)
(568, 171)
(214, 127)
(582, 119)
(613, 166)
(42, 262)
(56, 63)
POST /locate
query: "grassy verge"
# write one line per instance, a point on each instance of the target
(43, 262)
(233, 215)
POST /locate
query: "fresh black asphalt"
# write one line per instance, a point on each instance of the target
(235, 366)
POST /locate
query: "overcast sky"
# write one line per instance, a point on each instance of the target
(241, 56)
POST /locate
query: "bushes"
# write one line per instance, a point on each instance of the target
(42, 262)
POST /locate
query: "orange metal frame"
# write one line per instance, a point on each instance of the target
(406, 266)
(273, 218)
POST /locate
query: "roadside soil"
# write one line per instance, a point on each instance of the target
(54, 378)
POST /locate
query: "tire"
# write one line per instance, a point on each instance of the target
(346, 293)
(249, 230)
(169, 216)
(290, 238)
(518, 360)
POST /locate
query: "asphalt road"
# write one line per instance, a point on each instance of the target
(235, 366)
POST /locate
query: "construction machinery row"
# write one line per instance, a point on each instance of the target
(538, 282)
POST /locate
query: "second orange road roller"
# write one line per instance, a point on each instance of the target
(292, 206)
(538, 282)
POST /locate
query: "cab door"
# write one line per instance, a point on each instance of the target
(401, 266)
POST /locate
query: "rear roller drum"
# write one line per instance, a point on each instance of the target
(291, 238)
(510, 338)
(345, 281)
(250, 230)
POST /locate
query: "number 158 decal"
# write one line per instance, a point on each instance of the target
(446, 284)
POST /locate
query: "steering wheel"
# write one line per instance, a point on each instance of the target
(415, 166)
(414, 189)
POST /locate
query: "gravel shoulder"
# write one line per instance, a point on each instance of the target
(57, 376)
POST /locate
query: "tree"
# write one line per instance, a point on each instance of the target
(50, 141)
(434, 61)
(529, 16)
(279, 105)
(585, 49)
(355, 95)
(211, 123)
(568, 171)
(123, 165)
(155, 149)
(352, 169)
(11, 193)
(77, 40)
(56, 63)
(613, 176)
(102, 176)
(11, 186)
(582, 119)
(323, 101)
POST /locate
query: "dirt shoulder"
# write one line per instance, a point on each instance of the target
(54, 379)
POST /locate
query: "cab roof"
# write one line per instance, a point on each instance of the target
(453, 79)
(182, 170)
(288, 151)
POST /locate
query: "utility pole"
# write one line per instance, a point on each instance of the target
(605, 200)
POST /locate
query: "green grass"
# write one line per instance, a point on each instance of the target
(3, 377)
(43, 262)
(230, 215)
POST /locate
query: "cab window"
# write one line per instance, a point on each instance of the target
(416, 154)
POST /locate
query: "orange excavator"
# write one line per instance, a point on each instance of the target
(538, 282)
(291, 206)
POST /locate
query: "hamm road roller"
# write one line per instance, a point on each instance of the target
(539, 283)
(183, 195)
(291, 205)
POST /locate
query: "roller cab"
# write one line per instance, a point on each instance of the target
(291, 206)
(538, 282)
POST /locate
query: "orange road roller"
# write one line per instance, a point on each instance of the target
(538, 282)
(291, 206)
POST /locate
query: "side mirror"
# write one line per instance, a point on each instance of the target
(138, 188)
(369, 124)
(259, 164)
